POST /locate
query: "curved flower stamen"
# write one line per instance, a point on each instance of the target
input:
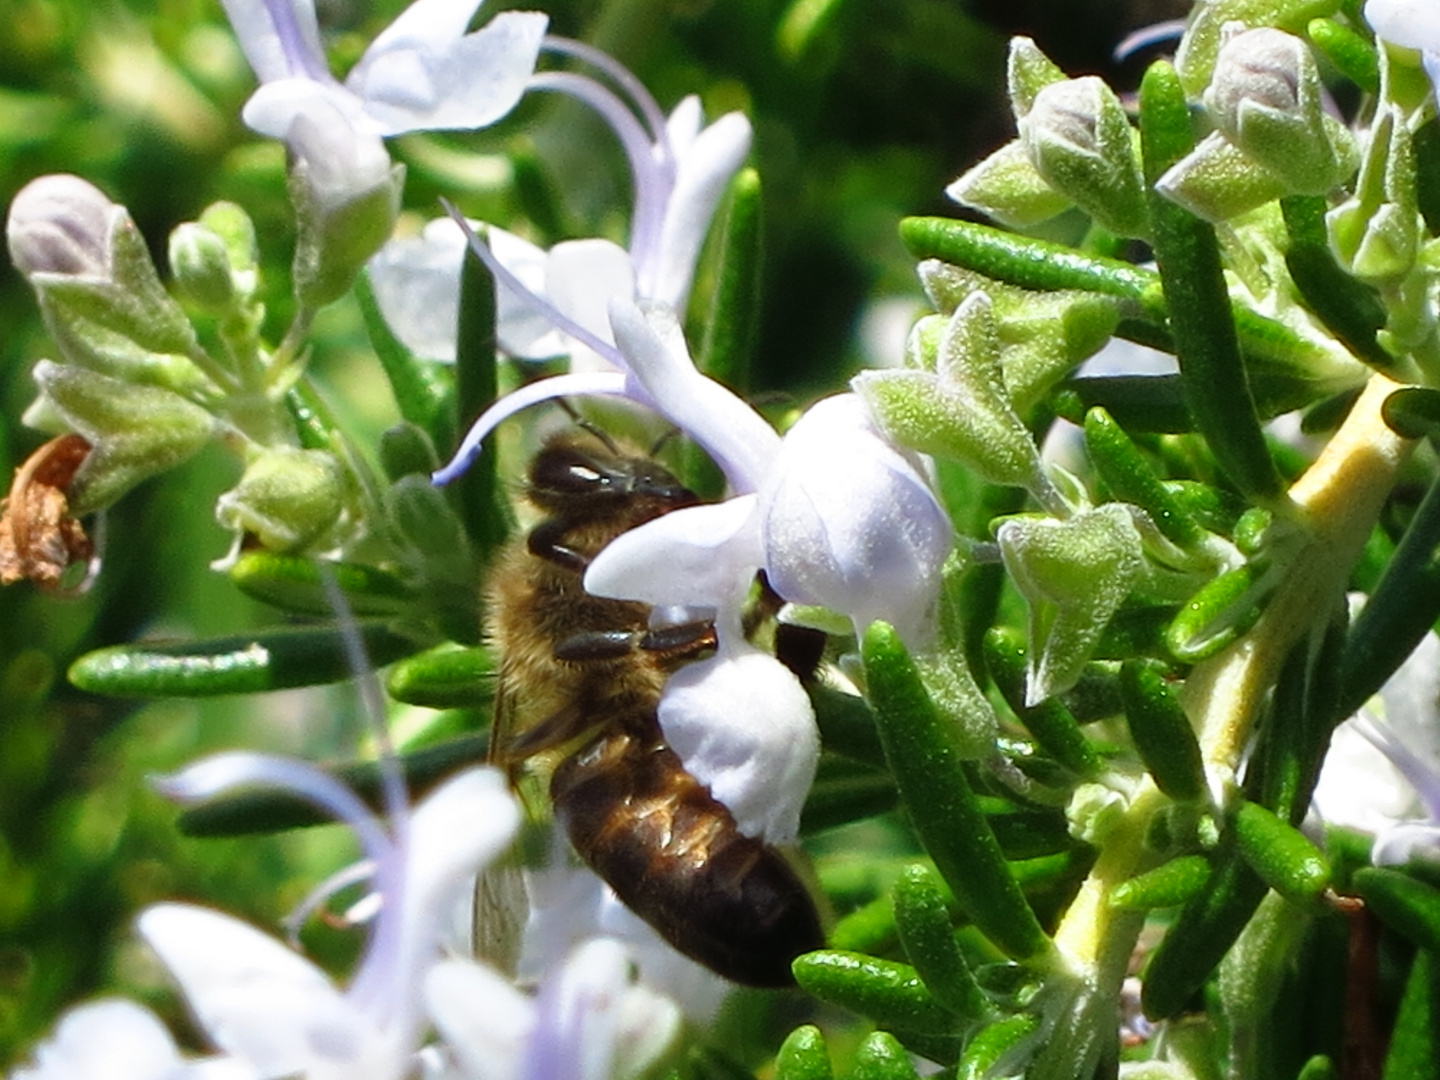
(593, 382)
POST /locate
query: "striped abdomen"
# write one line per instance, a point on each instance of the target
(674, 856)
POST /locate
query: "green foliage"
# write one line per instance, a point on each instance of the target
(1162, 622)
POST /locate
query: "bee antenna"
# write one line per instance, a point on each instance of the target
(670, 433)
(586, 425)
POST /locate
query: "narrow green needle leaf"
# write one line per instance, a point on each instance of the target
(1162, 732)
(421, 387)
(1201, 320)
(882, 1057)
(1051, 722)
(481, 503)
(242, 664)
(803, 1056)
(1415, 1041)
(294, 583)
(1401, 610)
(1350, 308)
(1132, 479)
(1410, 907)
(923, 920)
(1202, 934)
(449, 676)
(994, 1046)
(1176, 882)
(924, 754)
(1283, 857)
(1017, 260)
(891, 994)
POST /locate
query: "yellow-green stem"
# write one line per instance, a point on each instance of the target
(1334, 505)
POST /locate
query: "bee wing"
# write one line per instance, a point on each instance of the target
(501, 906)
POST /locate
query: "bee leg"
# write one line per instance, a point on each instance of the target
(545, 542)
(555, 730)
(677, 642)
(597, 645)
(800, 648)
(681, 640)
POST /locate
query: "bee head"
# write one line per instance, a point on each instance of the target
(581, 481)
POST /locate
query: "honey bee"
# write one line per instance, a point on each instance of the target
(580, 680)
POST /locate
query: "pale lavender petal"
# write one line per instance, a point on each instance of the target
(1148, 36)
(221, 773)
(684, 125)
(652, 177)
(279, 37)
(467, 83)
(454, 834)
(705, 170)
(725, 427)
(507, 281)
(111, 1039)
(417, 286)
(340, 162)
(320, 895)
(577, 1034)
(522, 329)
(640, 98)
(253, 997)
(597, 382)
(1360, 787)
(486, 1021)
(569, 904)
(743, 726)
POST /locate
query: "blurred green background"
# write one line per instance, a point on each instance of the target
(863, 111)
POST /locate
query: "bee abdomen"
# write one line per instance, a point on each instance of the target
(674, 856)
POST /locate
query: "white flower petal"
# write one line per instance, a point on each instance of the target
(593, 1024)
(255, 998)
(706, 167)
(569, 904)
(850, 523)
(274, 107)
(743, 726)
(105, 1040)
(1411, 24)
(522, 330)
(416, 280)
(460, 828)
(485, 1020)
(593, 382)
(341, 161)
(582, 277)
(470, 82)
(425, 24)
(700, 556)
(1359, 787)
(684, 124)
(1410, 841)
(725, 427)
